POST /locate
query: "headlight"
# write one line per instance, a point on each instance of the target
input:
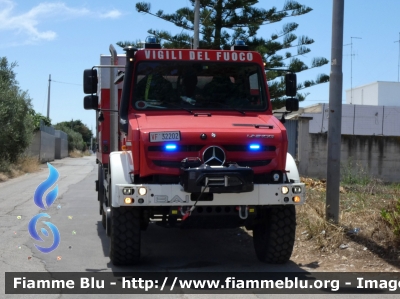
(142, 191)
(285, 190)
(127, 191)
(297, 189)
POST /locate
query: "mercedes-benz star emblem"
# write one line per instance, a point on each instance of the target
(214, 156)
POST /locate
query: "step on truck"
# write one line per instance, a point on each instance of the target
(187, 138)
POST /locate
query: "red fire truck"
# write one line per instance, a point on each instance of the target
(187, 138)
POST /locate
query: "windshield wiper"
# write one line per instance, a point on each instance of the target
(238, 110)
(228, 106)
(182, 108)
(188, 110)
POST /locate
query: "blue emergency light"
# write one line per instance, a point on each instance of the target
(170, 147)
(254, 147)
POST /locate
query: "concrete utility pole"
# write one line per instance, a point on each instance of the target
(48, 98)
(196, 24)
(335, 114)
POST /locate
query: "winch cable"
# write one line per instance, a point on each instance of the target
(189, 212)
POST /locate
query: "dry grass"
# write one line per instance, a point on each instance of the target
(78, 154)
(360, 219)
(75, 154)
(28, 164)
(3, 177)
(23, 165)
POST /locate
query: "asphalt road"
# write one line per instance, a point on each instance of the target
(84, 246)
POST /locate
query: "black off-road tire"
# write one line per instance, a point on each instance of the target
(100, 191)
(104, 220)
(274, 234)
(125, 236)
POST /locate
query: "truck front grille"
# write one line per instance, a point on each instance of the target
(197, 148)
(256, 163)
(172, 164)
(177, 164)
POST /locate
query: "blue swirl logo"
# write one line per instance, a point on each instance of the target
(44, 205)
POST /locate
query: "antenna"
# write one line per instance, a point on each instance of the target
(351, 67)
(48, 98)
(398, 63)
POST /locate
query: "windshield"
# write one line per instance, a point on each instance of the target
(199, 85)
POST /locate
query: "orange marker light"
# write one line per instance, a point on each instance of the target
(296, 199)
(128, 200)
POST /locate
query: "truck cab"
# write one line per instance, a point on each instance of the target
(195, 146)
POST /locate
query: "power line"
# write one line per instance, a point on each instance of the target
(66, 83)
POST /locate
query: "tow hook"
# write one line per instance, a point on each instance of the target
(243, 213)
(187, 212)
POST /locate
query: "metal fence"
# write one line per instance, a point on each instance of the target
(48, 144)
(359, 120)
(49, 130)
(61, 135)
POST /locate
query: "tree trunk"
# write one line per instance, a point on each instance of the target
(218, 26)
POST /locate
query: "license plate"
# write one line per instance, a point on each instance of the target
(165, 136)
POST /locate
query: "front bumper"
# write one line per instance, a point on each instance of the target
(175, 195)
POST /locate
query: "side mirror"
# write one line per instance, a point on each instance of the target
(91, 102)
(292, 104)
(291, 85)
(90, 81)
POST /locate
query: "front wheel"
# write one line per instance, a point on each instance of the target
(274, 234)
(104, 219)
(125, 236)
(100, 191)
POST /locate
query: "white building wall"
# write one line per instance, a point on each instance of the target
(363, 95)
(389, 94)
(378, 93)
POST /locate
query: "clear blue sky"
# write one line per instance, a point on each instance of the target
(62, 38)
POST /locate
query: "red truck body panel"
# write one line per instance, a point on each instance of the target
(231, 128)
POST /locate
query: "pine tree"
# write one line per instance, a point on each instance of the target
(224, 21)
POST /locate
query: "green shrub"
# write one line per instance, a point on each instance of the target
(75, 140)
(38, 118)
(16, 124)
(392, 217)
(354, 174)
